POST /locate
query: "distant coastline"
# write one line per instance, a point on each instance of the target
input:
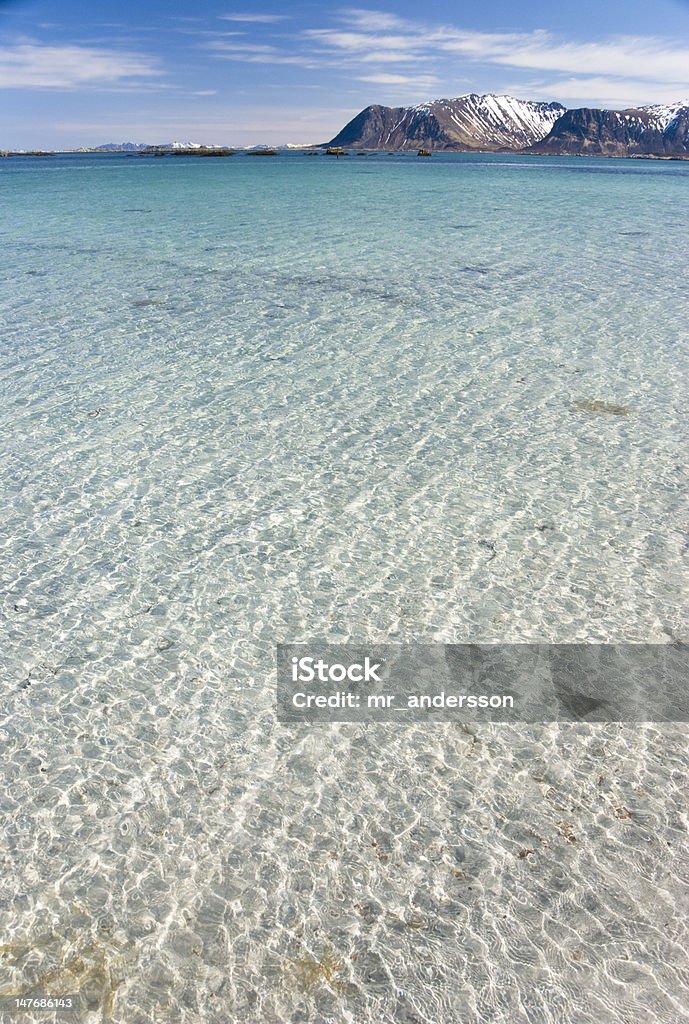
(473, 123)
(321, 150)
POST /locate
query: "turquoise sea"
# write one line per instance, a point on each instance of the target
(382, 398)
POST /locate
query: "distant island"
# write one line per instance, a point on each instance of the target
(159, 149)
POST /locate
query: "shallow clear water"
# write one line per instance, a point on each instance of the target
(246, 401)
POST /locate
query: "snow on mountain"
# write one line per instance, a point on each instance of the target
(658, 130)
(136, 146)
(500, 120)
(485, 122)
(125, 147)
(661, 114)
(184, 145)
(493, 122)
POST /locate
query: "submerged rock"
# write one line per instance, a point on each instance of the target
(596, 406)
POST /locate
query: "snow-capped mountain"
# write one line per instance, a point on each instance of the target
(118, 147)
(485, 122)
(491, 122)
(185, 145)
(130, 147)
(655, 130)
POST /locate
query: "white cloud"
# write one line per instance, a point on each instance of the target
(420, 81)
(357, 42)
(38, 66)
(381, 48)
(263, 19)
(270, 58)
(222, 47)
(372, 21)
(639, 57)
(389, 57)
(605, 92)
(616, 71)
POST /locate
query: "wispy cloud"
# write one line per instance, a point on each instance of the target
(388, 57)
(32, 65)
(418, 81)
(643, 57)
(386, 50)
(361, 42)
(264, 53)
(264, 19)
(378, 47)
(640, 57)
(222, 47)
(606, 92)
(208, 33)
(372, 21)
(616, 67)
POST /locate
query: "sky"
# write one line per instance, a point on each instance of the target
(78, 73)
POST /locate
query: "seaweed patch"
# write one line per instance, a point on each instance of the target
(88, 968)
(311, 974)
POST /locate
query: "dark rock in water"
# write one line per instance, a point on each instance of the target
(262, 152)
(335, 151)
(578, 705)
(204, 152)
(144, 302)
(212, 151)
(424, 152)
(594, 405)
(489, 545)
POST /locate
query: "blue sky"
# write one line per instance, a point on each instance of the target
(76, 73)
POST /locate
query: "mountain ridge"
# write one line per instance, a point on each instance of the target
(135, 147)
(492, 122)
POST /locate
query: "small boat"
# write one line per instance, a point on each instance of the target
(335, 151)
